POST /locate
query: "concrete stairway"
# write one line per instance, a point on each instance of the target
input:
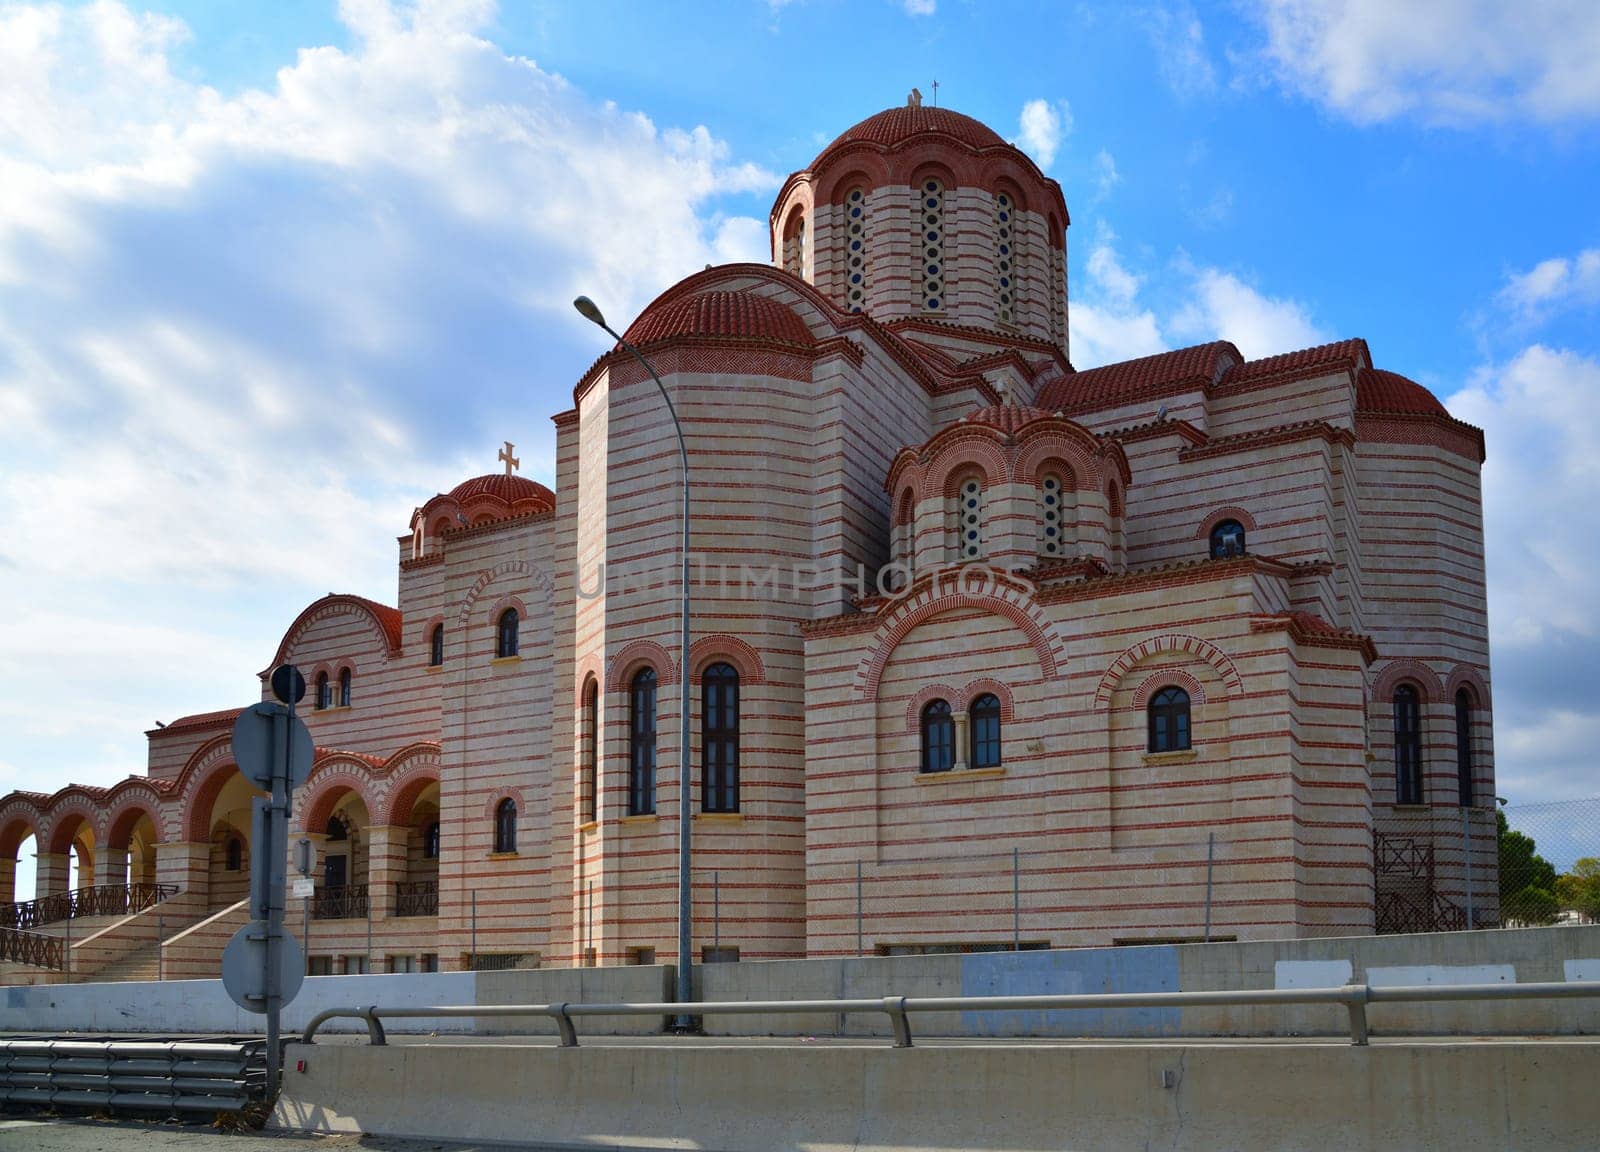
(196, 952)
(143, 963)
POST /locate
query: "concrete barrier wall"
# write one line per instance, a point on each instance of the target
(203, 1006)
(1519, 956)
(1146, 1097)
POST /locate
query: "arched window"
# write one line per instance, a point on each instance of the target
(1227, 539)
(436, 646)
(855, 233)
(1464, 746)
(505, 633)
(588, 756)
(984, 717)
(1005, 258)
(234, 853)
(505, 825)
(1057, 285)
(794, 246)
(642, 744)
(931, 227)
(324, 692)
(1407, 745)
(938, 737)
(1053, 518)
(344, 687)
(337, 829)
(719, 738)
(969, 519)
(1169, 720)
(430, 841)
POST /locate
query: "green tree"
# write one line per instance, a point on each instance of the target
(1579, 889)
(1521, 866)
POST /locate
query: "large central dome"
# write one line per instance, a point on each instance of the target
(897, 125)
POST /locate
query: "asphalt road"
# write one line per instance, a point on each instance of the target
(63, 1135)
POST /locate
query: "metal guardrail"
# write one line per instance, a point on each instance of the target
(217, 1074)
(33, 948)
(95, 900)
(416, 898)
(1353, 997)
(342, 902)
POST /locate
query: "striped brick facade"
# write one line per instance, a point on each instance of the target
(893, 505)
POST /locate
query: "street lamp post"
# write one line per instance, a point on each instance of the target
(586, 307)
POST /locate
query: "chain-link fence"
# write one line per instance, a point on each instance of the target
(1550, 863)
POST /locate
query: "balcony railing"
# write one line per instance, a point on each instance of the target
(416, 898)
(96, 900)
(33, 948)
(348, 902)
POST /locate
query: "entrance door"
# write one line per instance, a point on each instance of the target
(336, 871)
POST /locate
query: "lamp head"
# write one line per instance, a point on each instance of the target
(586, 308)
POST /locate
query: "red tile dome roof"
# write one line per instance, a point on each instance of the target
(738, 315)
(1380, 391)
(513, 490)
(896, 125)
(1009, 418)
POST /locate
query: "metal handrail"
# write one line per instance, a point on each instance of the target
(340, 902)
(94, 900)
(1353, 997)
(416, 898)
(34, 948)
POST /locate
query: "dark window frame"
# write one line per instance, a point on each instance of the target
(1407, 704)
(938, 737)
(1464, 758)
(719, 738)
(436, 646)
(1169, 719)
(233, 854)
(507, 634)
(642, 743)
(430, 841)
(1223, 544)
(324, 698)
(505, 826)
(345, 681)
(589, 754)
(983, 722)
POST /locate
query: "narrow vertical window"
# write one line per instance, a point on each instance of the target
(794, 246)
(1057, 285)
(436, 646)
(235, 854)
(589, 766)
(938, 737)
(719, 738)
(506, 634)
(1005, 262)
(931, 227)
(1464, 746)
(642, 744)
(505, 826)
(984, 717)
(1050, 503)
(855, 234)
(1169, 720)
(344, 688)
(430, 841)
(969, 519)
(1407, 746)
(324, 692)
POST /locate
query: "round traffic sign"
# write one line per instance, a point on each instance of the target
(252, 744)
(287, 684)
(244, 967)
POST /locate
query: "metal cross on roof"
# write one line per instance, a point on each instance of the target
(511, 461)
(935, 93)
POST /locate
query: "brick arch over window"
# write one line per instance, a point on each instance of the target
(127, 814)
(1171, 642)
(532, 572)
(384, 623)
(1465, 676)
(19, 818)
(1078, 470)
(505, 793)
(708, 650)
(959, 457)
(1168, 678)
(926, 696)
(207, 786)
(502, 604)
(66, 816)
(330, 780)
(979, 687)
(636, 655)
(947, 594)
(591, 667)
(1229, 513)
(411, 781)
(1414, 672)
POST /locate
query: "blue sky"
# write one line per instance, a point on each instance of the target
(271, 275)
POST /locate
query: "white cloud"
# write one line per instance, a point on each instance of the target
(920, 7)
(1223, 307)
(1552, 286)
(1181, 54)
(1448, 61)
(241, 338)
(1041, 128)
(1106, 176)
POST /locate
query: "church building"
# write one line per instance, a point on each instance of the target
(987, 651)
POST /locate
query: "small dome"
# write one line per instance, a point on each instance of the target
(1380, 391)
(1009, 418)
(511, 490)
(739, 315)
(896, 125)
